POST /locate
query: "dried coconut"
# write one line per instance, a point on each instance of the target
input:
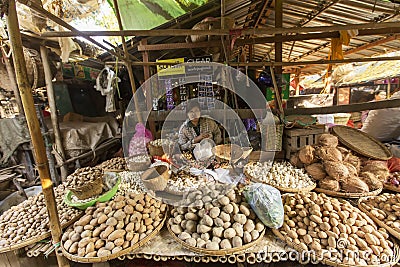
(328, 140)
(352, 170)
(354, 184)
(336, 170)
(328, 153)
(306, 155)
(295, 161)
(370, 179)
(316, 171)
(353, 160)
(329, 184)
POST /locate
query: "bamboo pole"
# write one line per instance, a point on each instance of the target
(252, 31)
(128, 64)
(53, 111)
(34, 128)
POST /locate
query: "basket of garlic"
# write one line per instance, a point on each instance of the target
(281, 175)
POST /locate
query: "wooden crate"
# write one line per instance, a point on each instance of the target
(294, 139)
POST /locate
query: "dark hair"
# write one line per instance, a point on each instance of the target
(191, 105)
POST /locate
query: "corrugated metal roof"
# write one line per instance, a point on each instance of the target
(305, 13)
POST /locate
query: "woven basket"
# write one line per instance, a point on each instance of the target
(376, 220)
(156, 178)
(341, 118)
(228, 152)
(394, 260)
(159, 150)
(36, 239)
(220, 252)
(348, 195)
(138, 166)
(114, 255)
(89, 189)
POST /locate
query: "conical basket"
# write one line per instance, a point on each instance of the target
(156, 178)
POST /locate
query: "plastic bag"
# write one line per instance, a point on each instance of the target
(137, 145)
(266, 202)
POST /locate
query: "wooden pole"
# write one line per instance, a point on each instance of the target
(252, 31)
(53, 111)
(34, 128)
(128, 64)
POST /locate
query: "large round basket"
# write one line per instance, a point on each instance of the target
(348, 195)
(118, 254)
(320, 258)
(376, 220)
(228, 152)
(361, 142)
(156, 178)
(159, 150)
(220, 252)
(36, 239)
(89, 189)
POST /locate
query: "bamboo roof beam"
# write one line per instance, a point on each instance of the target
(220, 32)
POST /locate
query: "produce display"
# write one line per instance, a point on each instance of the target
(215, 221)
(29, 219)
(162, 142)
(113, 226)
(386, 208)
(331, 227)
(393, 180)
(280, 175)
(337, 169)
(183, 182)
(83, 176)
(118, 164)
(130, 183)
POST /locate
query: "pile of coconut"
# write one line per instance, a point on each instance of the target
(337, 169)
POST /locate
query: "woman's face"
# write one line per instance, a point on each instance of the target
(194, 114)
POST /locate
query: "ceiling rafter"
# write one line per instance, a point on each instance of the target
(377, 19)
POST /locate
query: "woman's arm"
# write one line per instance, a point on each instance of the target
(216, 132)
(184, 141)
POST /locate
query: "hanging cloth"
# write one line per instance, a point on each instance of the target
(107, 83)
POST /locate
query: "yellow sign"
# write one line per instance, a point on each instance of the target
(166, 70)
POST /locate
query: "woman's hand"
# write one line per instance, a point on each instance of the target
(201, 137)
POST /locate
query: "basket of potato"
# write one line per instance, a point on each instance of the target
(215, 223)
(334, 232)
(384, 210)
(117, 164)
(85, 182)
(28, 222)
(114, 228)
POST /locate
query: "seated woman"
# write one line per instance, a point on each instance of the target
(197, 128)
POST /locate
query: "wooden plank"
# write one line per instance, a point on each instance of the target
(174, 46)
(392, 103)
(303, 141)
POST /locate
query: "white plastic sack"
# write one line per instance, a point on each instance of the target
(384, 124)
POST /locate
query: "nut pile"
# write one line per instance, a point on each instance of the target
(162, 142)
(29, 219)
(113, 226)
(131, 183)
(337, 169)
(82, 176)
(281, 174)
(386, 208)
(139, 159)
(183, 182)
(332, 228)
(113, 164)
(215, 221)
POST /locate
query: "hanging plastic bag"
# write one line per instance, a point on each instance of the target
(266, 202)
(137, 145)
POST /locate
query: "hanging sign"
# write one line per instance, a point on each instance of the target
(198, 66)
(167, 70)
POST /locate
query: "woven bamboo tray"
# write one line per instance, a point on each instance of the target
(376, 220)
(395, 259)
(283, 189)
(361, 143)
(36, 239)
(220, 252)
(118, 254)
(391, 188)
(348, 195)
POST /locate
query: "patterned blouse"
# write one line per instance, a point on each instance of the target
(187, 132)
